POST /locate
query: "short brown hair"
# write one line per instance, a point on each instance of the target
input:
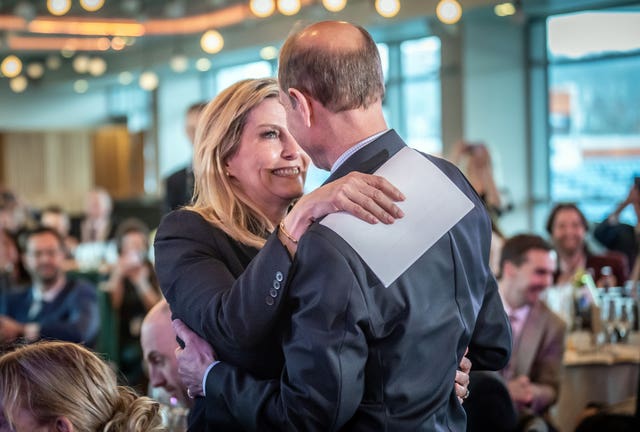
(515, 248)
(339, 80)
(565, 206)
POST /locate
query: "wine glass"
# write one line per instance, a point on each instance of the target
(625, 319)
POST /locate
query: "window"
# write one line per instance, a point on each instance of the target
(230, 75)
(594, 114)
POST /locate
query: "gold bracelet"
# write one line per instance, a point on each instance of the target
(286, 234)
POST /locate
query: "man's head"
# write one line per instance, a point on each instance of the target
(334, 62)
(191, 120)
(98, 204)
(527, 264)
(54, 217)
(331, 83)
(158, 341)
(44, 256)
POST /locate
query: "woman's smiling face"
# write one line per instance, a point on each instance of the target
(269, 167)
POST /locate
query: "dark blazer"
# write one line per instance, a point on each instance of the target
(227, 293)
(363, 357)
(178, 189)
(72, 316)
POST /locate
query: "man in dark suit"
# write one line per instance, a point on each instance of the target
(53, 307)
(533, 374)
(359, 355)
(179, 185)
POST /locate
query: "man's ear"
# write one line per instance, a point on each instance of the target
(301, 103)
(63, 425)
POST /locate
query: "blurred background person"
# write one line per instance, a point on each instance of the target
(53, 306)
(533, 373)
(14, 274)
(64, 387)
(133, 290)
(568, 229)
(15, 216)
(55, 217)
(179, 185)
(474, 160)
(97, 225)
(158, 340)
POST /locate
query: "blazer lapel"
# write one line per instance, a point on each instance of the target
(370, 157)
(529, 341)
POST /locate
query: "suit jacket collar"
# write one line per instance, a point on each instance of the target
(528, 343)
(370, 157)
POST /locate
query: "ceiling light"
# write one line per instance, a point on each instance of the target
(118, 43)
(211, 42)
(18, 84)
(149, 81)
(289, 7)
(262, 8)
(388, 8)
(91, 5)
(53, 62)
(81, 64)
(334, 5)
(97, 66)
(203, 64)
(81, 86)
(449, 11)
(179, 63)
(58, 7)
(35, 70)
(504, 9)
(11, 66)
(269, 53)
(125, 78)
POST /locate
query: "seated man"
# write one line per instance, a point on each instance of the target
(533, 373)
(53, 307)
(159, 344)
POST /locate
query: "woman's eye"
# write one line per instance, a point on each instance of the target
(270, 134)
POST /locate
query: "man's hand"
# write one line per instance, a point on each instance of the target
(10, 329)
(462, 379)
(193, 360)
(521, 390)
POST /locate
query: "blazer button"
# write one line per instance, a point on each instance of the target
(279, 276)
(269, 301)
(273, 293)
(276, 284)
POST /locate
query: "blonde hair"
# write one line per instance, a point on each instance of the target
(61, 379)
(216, 198)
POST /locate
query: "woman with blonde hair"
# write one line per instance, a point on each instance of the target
(241, 232)
(64, 387)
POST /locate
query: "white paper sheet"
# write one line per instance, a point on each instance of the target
(433, 205)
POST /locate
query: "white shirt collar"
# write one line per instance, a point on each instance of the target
(346, 155)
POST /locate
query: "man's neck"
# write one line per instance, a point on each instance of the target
(49, 291)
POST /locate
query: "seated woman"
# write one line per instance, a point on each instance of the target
(64, 387)
(568, 228)
(249, 171)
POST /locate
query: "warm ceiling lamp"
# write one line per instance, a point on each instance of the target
(212, 42)
(18, 84)
(504, 9)
(81, 64)
(262, 8)
(289, 7)
(35, 70)
(179, 63)
(97, 66)
(388, 8)
(58, 7)
(334, 5)
(203, 64)
(91, 5)
(449, 11)
(11, 66)
(125, 78)
(149, 81)
(81, 86)
(269, 53)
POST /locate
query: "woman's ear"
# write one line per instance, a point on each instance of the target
(302, 105)
(63, 425)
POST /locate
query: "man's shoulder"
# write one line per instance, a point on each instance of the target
(549, 317)
(177, 175)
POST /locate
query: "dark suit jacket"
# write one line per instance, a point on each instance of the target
(537, 354)
(178, 189)
(363, 357)
(72, 316)
(227, 293)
